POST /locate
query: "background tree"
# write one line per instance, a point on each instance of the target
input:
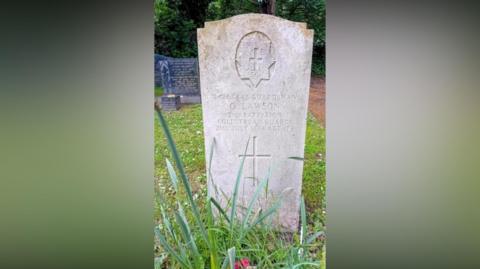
(313, 13)
(176, 22)
(174, 33)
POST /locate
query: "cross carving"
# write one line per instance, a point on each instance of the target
(254, 157)
(254, 60)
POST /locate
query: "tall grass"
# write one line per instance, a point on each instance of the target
(211, 237)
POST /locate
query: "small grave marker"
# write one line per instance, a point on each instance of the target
(178, 76)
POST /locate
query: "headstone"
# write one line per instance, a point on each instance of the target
(255, 77)
(170, 102)
(178, 76)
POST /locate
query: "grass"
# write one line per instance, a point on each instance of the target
(314, 186)
(158, 91)
(187, 131)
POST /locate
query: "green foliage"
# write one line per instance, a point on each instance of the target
(318, 63)
(221, 9)
(187, 128)
(174, 33)
(179, 235)
(190, 236)
(314, 184)
(176, 22)
(313, 13)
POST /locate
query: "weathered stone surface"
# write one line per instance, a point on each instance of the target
(254, 77)
(170, 102)
(178, 76)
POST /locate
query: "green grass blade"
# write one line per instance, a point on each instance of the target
(316, 264)
(158, 261)
(210, 176)
(259, 189)
(182, 220)
(173, 175)
(187, 236)
(219, 208)
(225, 263)
(170, 250)
(231, 257)
(303, 217)
(214, 264)
(167, 223)
(303, 226)
(168, 226)
(267, 213)
(185, 233)
(324, 258)
(212, 146)
(314, 236)
(237, 184)
(165, 220)
(229, 200)
(183, 175)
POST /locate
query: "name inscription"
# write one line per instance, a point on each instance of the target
(255, 112)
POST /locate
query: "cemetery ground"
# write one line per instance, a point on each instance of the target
(316, 100)
(187, 131)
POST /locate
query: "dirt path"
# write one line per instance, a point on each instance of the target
(316, 101)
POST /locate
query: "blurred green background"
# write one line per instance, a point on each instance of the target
(176, 22)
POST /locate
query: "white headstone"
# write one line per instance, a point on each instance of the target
(254, 79)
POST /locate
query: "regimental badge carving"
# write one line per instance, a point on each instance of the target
(255, 58)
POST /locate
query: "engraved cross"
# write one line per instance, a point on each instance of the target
(255, 59)
(254, 157)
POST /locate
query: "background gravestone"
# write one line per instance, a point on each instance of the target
(178, 76)
(255, 77)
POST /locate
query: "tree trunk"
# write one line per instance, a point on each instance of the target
(268, 7)
(271, 7)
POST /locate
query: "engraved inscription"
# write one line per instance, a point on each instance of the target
(251, 179)
(177, 76)
(255, 58)
(253, 112)
(185, 79)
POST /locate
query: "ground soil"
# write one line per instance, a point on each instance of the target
(316, 101)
